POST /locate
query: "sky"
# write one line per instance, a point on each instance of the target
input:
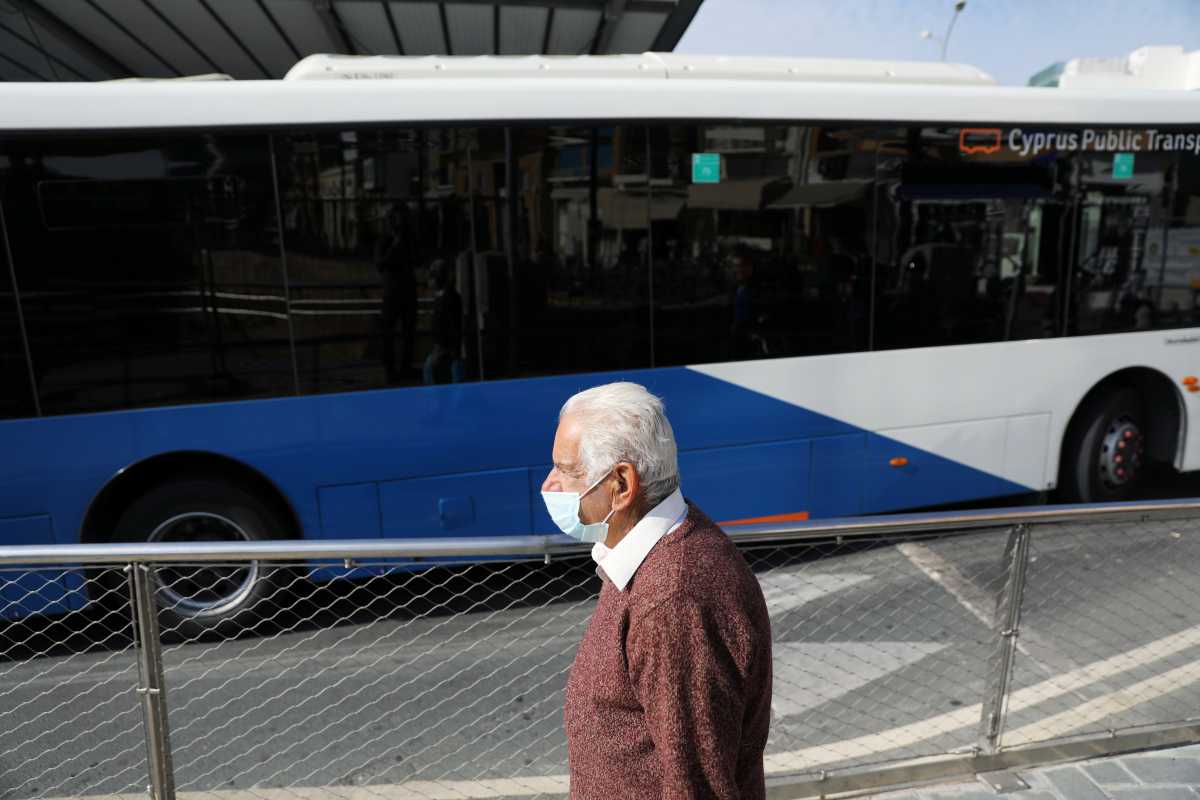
(1009, 39)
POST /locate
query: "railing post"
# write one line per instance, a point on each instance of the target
(1008, 621)
(151, 686)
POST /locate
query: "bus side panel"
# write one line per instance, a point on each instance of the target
(279, 438)
(26, 590)
(397, 435)
(898, 475)
(55, 466)
(837, 489)
(479, 504)
(774, 478)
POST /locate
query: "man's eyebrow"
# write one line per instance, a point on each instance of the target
(567, 468)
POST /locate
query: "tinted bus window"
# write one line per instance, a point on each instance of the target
(970, 240)
(1137, 246)
(149, 269)
(360, 232)
(16, 395)
(580, 252)
(439, 255)
(762, 240)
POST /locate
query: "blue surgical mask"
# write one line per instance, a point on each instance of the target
(564, 510)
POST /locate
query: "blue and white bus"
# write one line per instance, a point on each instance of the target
(349, 304)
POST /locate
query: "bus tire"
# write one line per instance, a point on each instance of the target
(1104, 456)
(195, 601)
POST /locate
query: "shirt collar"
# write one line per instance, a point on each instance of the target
(620, 562)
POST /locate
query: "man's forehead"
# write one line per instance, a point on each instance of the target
(566, 443)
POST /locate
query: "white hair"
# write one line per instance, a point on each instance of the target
(624, 422)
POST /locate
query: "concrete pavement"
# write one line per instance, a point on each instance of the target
(1172, 774)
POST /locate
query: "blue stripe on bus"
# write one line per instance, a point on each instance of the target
(469, 459)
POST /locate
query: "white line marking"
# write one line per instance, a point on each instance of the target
(946, 575)
(787, 591)
(811, 757)
(922, 730)
(809, 674)
(977, 601)
(1118, 702)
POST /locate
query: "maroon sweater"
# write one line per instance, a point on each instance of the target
(670, 692)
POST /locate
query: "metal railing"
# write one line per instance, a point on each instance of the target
(907, 649)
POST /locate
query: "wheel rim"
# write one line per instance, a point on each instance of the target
(201, 590)
(1121, 453)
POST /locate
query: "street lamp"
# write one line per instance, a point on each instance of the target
(945, 40)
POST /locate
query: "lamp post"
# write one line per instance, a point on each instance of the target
(945, 40)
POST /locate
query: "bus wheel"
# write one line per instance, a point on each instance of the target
(1105, 455)
(197, 599)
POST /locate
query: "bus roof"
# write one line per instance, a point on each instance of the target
(1162, 67)
(647, 65)
(587, 89)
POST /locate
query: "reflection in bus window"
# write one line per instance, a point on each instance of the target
(16, 395)
(149, 269)
(965, 257)
(773, 257)
(574, 270)
(1137, 254)
(990, 244)
(354, 223)
(390, 233)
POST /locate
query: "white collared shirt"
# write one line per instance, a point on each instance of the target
(620, 562)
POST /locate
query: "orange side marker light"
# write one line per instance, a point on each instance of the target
(1191, 380)
(899, 461)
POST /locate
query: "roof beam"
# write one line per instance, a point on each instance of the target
(45, 54)
(546, 33)
(116, 23)
(333, 25)
(217, 18)
(650, 6)
(186, 39)
(74, 39)
(676, 25)
(23, 67)
(445, 29)
(609, 21)
(262, 6)
(391, 18)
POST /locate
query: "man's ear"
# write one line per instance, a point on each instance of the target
(629, 486)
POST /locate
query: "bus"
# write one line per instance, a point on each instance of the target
(349, 304)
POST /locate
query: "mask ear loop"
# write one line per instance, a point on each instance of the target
(599, 480)
(611, 511)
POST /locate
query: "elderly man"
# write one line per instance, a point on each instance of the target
(670, 692)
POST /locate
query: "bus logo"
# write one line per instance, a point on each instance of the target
(979, 140)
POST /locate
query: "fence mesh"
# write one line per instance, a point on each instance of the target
(446, 680)
(70, 716)
(1110, 630)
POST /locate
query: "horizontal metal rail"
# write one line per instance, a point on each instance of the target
(560, 546)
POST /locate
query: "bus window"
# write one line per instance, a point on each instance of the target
(16, 395)
(149, 270)
(362, 229)
(1137, 260)
(769, 255)
(579, 296)
(411, 262)
(969, 239)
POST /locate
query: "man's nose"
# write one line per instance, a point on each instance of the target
(551, 482)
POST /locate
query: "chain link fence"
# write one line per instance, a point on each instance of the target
(333, 670)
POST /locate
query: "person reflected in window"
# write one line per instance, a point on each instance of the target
(399, 298)
(746, 343)
(444, 363)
